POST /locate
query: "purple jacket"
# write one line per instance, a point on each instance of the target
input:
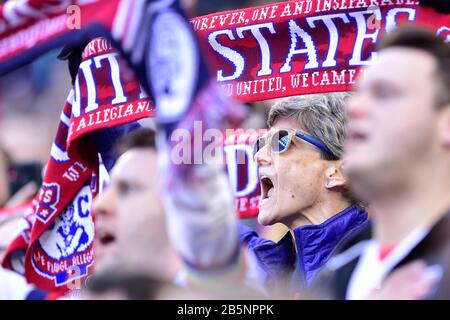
(282, 263)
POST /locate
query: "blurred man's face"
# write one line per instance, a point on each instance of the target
(391, 119)
(141, 220)
(291, 181)
(105, 211)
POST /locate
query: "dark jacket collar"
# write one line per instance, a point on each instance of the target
(433, 249)
(316, 243)
(281, 262)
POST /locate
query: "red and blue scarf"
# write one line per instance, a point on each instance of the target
(58, 230)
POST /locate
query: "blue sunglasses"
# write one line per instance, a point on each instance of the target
(280, 141)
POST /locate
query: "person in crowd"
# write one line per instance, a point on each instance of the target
(397, 158)
(303, 187)
(11, 207)
(130, 226)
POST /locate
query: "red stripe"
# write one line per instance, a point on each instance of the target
(385, 251)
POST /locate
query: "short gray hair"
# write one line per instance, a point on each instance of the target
(321, 115)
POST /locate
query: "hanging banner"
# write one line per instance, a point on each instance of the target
(302, 47)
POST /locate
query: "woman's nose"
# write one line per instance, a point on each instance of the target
(262, 157)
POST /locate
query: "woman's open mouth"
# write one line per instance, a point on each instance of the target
(267, 189)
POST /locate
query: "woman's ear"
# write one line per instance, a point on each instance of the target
(334, 176)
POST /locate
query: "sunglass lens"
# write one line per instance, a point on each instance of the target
(258, 145)
(280, 141)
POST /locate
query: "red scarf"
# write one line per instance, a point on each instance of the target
(310, 46)
(301, 47)
(58, 232)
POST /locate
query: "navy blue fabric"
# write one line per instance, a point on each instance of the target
(36, 294)
(277, 260)
(315, 244)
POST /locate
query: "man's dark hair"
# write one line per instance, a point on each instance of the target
(424, 40)
(140, 138)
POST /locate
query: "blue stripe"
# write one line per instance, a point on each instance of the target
(36, 294)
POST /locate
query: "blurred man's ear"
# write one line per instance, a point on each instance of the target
(334, 176)
(444, 126)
